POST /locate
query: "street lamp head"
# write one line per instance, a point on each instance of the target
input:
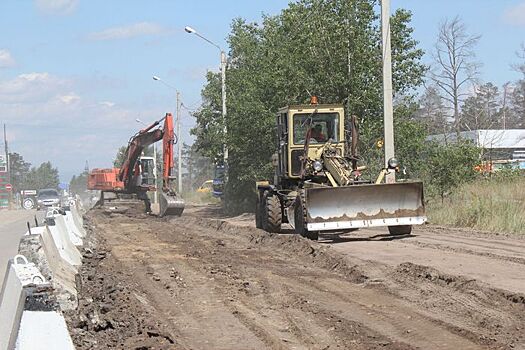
(156, 77)
(189, 30)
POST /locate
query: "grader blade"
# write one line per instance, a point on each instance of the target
(170, 205)
(339, 208)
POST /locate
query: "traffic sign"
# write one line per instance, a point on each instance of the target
(8, 187)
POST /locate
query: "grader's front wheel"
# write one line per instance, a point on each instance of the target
(271, 213)
(300, 220)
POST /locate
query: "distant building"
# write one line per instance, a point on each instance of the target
(500, 146)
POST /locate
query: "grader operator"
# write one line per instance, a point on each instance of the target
(317, 188)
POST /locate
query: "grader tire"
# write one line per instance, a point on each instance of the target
(400, 230)
(271, 213)
(300, 220)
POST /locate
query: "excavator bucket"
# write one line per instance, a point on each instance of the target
(339, 208)
(170, 205)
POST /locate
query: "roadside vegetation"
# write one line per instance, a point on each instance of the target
(494, 203)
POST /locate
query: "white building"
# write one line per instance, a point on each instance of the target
(497, 144)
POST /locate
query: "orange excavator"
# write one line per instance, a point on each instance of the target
(134, 177)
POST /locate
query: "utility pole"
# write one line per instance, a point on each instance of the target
(223, 92)
(179, 141)
(387, 88)
(7, 156)
(8, 168)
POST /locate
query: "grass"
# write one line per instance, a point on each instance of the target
(496, 205)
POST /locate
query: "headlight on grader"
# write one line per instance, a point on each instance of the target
(317, 165)
(393, 164)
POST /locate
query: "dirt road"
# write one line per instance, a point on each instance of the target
(197, 282)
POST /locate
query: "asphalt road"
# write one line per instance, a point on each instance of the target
(13, 225)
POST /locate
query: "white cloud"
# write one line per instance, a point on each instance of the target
(516, 14)
(56, 7)
(129, 31)
(36, 86)
(6, 60)
(107, 104)
(69, 98)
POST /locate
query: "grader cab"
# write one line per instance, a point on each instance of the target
(318, 187)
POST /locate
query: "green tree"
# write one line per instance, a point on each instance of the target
(449, 166)
(481, 110)
(43, 176)
(78, 184)
(517, 106)
(120, 157)
(432, 111)
(198, 168)
(19, 170)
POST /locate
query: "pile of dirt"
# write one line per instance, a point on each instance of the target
(110, 313)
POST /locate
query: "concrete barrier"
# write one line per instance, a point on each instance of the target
(20, 274)
(73, 226)
(43, 330)
(11, 308)
(65, 247)
(35, 231)
(69, 229)
(30, 301)
(76, 213)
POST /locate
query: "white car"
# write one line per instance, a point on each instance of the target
(48, 198)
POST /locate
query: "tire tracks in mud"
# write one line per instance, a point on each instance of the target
(210, 284)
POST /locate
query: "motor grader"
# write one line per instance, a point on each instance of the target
(317, 187)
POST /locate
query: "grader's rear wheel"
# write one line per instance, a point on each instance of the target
(271, 213)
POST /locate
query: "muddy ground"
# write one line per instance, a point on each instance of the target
(206, 282)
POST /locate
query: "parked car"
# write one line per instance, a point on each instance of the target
(48, 197)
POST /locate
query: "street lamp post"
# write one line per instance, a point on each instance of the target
(179, 136)
(155, 173)
(224, 62)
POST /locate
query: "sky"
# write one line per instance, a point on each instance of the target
(76, 74)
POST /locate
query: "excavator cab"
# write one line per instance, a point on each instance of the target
(147, 166)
